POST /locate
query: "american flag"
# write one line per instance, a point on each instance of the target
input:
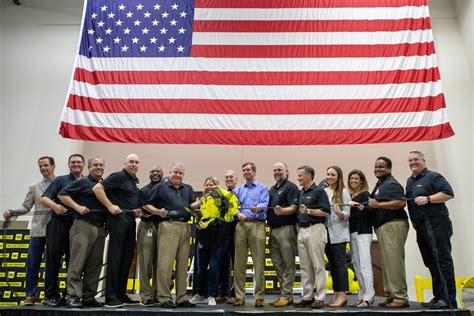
(256, 72)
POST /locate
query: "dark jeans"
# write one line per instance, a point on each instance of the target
(442, 231)
(120, 255)
(211, 257)
(33, 262)
(225, 282)
(57, 246)
(336, 254)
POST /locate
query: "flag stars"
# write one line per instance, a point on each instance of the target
(117, 40)
(173, 22)
(145, 31)
(165, 14)
(90, 31)
(157, 6)
(180, 49)
(106, 49)
(181, 30)
(174, 6)
(161, 48)
(147, 14)
(99, 40)
(126, 31)
(183, 14)
(121, 7)
(172, 40)
(103, 8)
(155, 22)
(139, 6)
(124, 48)
(153, 40)
(108, 31)
(135, 40)
(143, 48)
(94, 15)
(137, 22)
(101, 24)
(129, 14)
(111, 15)
(118, 22)
(163, 31)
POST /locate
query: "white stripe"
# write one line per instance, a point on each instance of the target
(256, 122)
(277, 14)
(258, 64)
(232, 92)
(313, 38)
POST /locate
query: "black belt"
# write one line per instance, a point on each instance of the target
(281, 225)
(306, 225)
(183, 220)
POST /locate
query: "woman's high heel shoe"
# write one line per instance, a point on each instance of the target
(341, 304)
(364, 304)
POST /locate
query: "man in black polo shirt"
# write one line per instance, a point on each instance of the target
(120, 195)
(57, 230)
(147, 237)
(312, 238)
(427, 192)
(87, 237)
(281, 217)
(169, 200)
(391, 226)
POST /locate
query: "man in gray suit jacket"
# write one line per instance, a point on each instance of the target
(40, 218)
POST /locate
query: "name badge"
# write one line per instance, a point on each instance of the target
(149, 233)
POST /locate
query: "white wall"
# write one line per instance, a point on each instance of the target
(38, 42)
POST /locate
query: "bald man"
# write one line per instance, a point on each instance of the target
(120, 195)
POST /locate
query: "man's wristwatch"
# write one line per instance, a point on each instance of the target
(428, 198)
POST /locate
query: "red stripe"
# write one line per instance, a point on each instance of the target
(258, 78)
(263, 107)
(308, 3)
(252, 137)
(313, 26)
(312, 51)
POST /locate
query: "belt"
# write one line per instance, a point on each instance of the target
(280, 226)
(253, 220)
(306, 225)
(399, 220)
(182, 220)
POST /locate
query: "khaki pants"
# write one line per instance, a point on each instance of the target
(147, 248)
(173, 242)
(249, 235)
(311, 243)
(392, 237)
(87, 251)
(282, 246)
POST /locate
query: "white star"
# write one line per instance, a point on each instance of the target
(126, 31)
(173, 22)
(101, 24)
(165, 14)
(129, 14)
(172, 40)
(117, 40)
(94, 15)
(155, 22)
(103, 8)
(135, 40)
(139, 6)
(99, 40)
(180, 49)
(161, 48)
(124, 48)
(174, 6)
(119, 22)
(137, 23)
(106, 49)
(157, 6)
(145, 31)
(121, 7)
(181, 30)
(90, 32)
(108, 31)
(163, 31)
(90, 48)
(143, 48)
(146, 14)
(153, 40)
(183, 14)
(111, 15)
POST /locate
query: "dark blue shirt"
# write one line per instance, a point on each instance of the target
(284, 195)
(361, 220)
(313, 198)
(122, 190)
(387, 189)
(145, 193)
(54, 188)
(81, 192)
(425, 184)
(174, 200)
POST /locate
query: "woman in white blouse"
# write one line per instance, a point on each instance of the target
(338, 234)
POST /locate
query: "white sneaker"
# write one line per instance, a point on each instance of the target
(197, 299)
(211, 301)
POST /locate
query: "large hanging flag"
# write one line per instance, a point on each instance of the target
(256, 72)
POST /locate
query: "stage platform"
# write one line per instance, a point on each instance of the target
(415, 309)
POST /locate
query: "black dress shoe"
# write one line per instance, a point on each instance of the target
(168, 304)
(53, 302)
(427, 304)
(440, 304)
(93, 303)
(73, 302)
(186, 303)
(147, 302)
(303, 303)
(126, 300)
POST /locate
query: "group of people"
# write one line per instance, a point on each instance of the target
(73, 215)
